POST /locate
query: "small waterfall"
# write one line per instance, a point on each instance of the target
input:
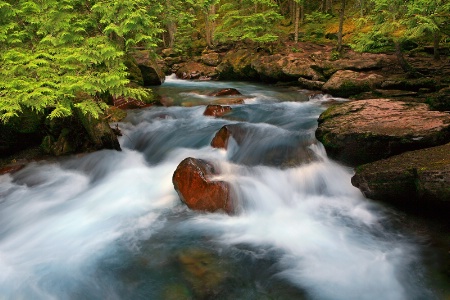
(109, 225)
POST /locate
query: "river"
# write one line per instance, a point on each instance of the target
(109, 225)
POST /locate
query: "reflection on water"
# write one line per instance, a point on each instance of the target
(109, 225)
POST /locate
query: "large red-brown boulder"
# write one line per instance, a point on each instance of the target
(216, 110)
(195, 188)
(364, 131)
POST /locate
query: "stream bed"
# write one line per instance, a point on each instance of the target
(109, 225)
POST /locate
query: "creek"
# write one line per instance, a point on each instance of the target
(109, 225)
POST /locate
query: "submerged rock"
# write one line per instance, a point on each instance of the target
(192, 182)
(421, 175)
(368, 130)
(203, 270)
(225, 92)
(216, 110)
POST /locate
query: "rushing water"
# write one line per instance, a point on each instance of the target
(109, 225)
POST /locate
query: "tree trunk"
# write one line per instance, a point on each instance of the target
(297, 17)
(302, 14)
(329, 6)
(209, 26)
(406, 67)
(341, 26)
(436, 40)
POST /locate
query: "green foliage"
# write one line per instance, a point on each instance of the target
(397, 21)
(252, 20)
(54, 51)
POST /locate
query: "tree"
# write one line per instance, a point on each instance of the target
(341, 26)
(387, 21)
(252, 20)
(426, 17)
(58, 55)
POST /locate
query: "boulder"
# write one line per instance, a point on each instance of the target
(101, 136)
(216, 110)
(10, 169)
(192, 182)
(222, 137)
(416, 177)
(440, 100)
(224, 92)
(237, 64)
(364, 131)
(347, 83)
(257, 148)
(310, 84)
(196, 70)
(210, 59)
(134, 72)
(150, 70)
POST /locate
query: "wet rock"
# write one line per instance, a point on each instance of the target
(10, 169)
(101, 136)
(228, 101)
(216, 110)
(225, 92)
(367, 130)
(193, 183)
(256, 148)
(150, 70)
(412, 178)
(195, 70)
(222, 137)
(347, 83)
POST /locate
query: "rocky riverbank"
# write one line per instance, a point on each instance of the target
(318, 67)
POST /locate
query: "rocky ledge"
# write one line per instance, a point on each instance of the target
(364, 131)
(418, 178)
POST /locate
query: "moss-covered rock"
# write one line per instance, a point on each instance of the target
(152, 73)
(347, 83)
(237, 64)
(364, 131)
(419, 177)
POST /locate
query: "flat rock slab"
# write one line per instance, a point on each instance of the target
(364, 131)
(421, 175)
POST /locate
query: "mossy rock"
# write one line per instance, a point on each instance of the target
(420, 177)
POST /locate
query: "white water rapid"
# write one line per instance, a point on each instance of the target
(109, 225)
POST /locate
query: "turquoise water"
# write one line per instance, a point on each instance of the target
(109, 225)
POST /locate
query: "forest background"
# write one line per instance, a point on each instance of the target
(58, 57)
